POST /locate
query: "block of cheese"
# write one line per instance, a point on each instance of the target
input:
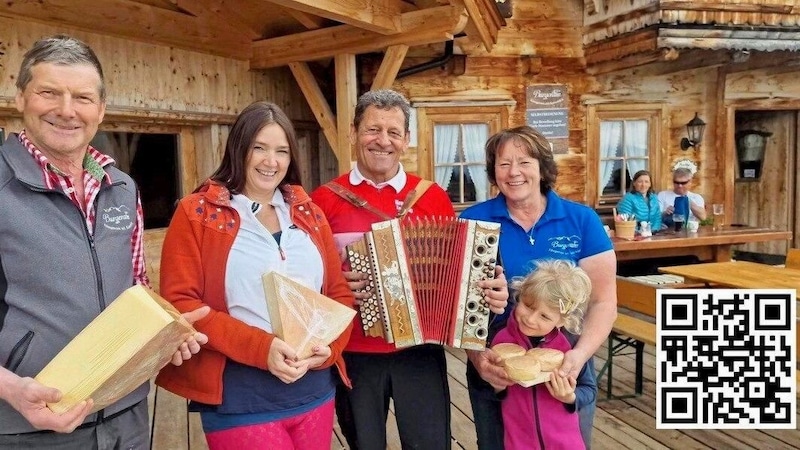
(124, 346)
(302, 317)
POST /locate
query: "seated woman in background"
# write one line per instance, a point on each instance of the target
(641, 201)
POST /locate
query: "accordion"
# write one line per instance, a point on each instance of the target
(423, 276)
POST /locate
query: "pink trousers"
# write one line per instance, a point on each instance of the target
(308, 431)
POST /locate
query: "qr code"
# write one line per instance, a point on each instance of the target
(726, 358)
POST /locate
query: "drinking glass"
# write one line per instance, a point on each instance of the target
(718, 210)
(677, 219)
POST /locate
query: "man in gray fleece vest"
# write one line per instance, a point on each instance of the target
(72, 242)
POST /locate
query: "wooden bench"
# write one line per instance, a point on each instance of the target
(631, 332)
(636, 332)
(628, 331)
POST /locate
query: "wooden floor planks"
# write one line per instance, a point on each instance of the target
(619, 424)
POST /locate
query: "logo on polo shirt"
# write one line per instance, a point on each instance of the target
(565, 245)
(117, 218)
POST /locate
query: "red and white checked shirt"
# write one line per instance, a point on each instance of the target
(93, 174)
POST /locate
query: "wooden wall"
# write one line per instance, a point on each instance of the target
(681, 94)
(541, 44)
(153, 88)
(158, 85)
(156, 78)
(717, 93)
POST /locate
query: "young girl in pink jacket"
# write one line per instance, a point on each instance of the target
(545, 415)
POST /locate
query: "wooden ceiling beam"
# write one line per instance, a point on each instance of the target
(478, 25)
(775, 62)
(379, 16)
(316, 100)
(633, 61)
(420, 28)
(309, 21)
(390, 66)
(210, 10)
(621, 46)
(137, 22)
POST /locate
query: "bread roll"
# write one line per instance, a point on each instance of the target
(522, 368)
(550, 359)
(508, 350)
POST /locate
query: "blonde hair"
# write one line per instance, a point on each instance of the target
(560, 284)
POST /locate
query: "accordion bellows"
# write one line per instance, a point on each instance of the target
(423, 278)
(302, 317)
(123, 347)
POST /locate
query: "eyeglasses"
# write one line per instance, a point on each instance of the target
(681, 183)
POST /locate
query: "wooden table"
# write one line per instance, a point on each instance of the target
(706, 244)
(739, 274)
(745, 275)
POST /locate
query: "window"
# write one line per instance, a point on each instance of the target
(460, 162)
(452, 147)
(622, 140)
(623, 152)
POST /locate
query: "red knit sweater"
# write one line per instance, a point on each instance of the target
(193, 262)
(345, 218)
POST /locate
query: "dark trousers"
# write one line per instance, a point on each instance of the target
(416, 379)
(489, 417)
(128, 431)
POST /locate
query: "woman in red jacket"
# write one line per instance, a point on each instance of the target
(252, 217)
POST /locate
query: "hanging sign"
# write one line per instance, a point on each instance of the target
(547, 111)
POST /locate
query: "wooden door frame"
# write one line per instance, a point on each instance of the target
(728, 156)
(495, 116)
(657, 115)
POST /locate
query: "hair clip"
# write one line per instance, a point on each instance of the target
(563, 308)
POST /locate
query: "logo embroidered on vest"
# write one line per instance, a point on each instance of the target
(117, 218)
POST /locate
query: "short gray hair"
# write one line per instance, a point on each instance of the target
(61, 50)
(385, 99)
(681, 172)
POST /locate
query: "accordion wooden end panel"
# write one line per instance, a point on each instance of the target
(423, 276)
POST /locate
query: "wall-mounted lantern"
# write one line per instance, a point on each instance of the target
(750, 145)
(694, 129)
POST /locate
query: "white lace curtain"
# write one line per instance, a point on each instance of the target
(610, 136)
(445, 142)
(475, 136)
(445, 147)
(635, 147)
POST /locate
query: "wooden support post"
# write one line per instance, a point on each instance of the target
(346, 93)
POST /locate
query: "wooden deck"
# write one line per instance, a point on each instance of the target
(619, 424)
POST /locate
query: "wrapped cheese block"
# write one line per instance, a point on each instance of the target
(302, 317)
(123, 347)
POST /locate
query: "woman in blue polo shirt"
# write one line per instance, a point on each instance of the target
(538, 224)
